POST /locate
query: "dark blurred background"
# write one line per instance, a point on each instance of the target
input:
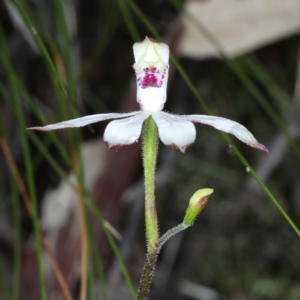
(243, 59)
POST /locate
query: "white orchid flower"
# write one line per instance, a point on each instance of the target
(152, 69)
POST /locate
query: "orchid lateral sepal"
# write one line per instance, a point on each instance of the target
(175, 131)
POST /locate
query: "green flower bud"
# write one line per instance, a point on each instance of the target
(197, 203)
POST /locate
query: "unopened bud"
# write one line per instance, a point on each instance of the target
(197, 203)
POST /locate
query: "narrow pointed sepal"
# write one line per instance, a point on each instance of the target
(228, 126)
(119, 133)
(174, 131)
(83, 121)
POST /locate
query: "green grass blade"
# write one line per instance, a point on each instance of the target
(242, 75)
(128, 20)
(257, 70)
(4, 283)
(68, 47)
(32, 193)
(91, 272)
(193, 89)
(51, 67)
(92, 207)
(18, 240)
(110, 27)
(6, 61)
(99, 264)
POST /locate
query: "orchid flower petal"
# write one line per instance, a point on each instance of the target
(228, 126)
(152, 69)
(174, 131)
(125, 132)
(80, 122)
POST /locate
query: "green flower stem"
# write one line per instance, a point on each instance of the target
(197, 203)
(151, 260)
(149, 157)
(171, 232)
(147, 275)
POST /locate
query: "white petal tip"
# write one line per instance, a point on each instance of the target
(114, 147)
(178, 148)
(260, 147)
(117, 146)
(40, 128)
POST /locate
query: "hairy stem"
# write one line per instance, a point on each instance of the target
(149, 159)
(147, 276)
(170, 233)
(149, 156)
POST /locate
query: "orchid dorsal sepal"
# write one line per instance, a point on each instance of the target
(196, 205)
(152, 70)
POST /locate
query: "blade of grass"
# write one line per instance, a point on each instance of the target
(6, 61)
(99, 263)
(110, 27)
(91, 281)
(83, 230)
(49, 62)
(31, 185)
(242, 75)
(71, 81)
(52, 70)
(92, 207)
(128, 20)
(17, 241)
(14, 200)
(67, 50)
(256, 69)
(30, 209)
(55, 76)
(84, 251)
(4, 284)
(193, 89)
